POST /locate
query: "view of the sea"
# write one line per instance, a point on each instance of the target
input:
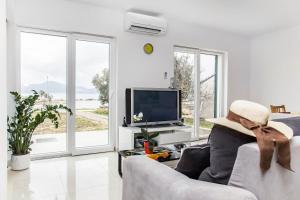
(83, 100)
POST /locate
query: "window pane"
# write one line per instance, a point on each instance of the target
(92, 90)
(42, 57)
(207, 90)
(184, 77)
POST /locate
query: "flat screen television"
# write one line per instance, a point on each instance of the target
(159, 106)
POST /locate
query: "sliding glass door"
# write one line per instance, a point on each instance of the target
(74, 70)
(184, 75)
(196, 75)
(41, 57)
(208, 90)
(92, 93)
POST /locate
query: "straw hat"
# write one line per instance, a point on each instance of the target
(253, 112)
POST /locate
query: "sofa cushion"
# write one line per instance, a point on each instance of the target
(292, 122)
(224, 144)
(194, 160)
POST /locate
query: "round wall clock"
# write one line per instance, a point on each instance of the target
(148, 48)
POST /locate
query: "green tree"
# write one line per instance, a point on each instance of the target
(101, 83)
(184, 80)
(183, 76)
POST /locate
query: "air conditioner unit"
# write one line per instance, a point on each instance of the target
(145, 24)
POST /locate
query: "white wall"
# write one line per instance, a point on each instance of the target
(3, 97)
(136, 69)
(275, 69)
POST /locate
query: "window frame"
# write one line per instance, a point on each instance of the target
(220, 87)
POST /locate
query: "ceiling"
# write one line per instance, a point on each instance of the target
(246, 17)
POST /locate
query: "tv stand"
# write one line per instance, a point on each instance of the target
(168, 134)
(158, 126)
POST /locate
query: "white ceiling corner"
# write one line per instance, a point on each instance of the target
(246, 17)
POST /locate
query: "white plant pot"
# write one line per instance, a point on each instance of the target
(20, 162)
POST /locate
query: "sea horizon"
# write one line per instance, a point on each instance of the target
(83, 100)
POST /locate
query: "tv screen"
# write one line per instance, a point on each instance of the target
(157, 106)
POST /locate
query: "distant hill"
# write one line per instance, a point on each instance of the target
(54, 87)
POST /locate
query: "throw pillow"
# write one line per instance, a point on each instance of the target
(194, 160)
(224, 144)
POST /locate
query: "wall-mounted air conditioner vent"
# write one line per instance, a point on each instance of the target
(145, 24)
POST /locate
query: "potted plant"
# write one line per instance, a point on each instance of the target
(149, 142)
(23, 123)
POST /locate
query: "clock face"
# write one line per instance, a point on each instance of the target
(148, 48)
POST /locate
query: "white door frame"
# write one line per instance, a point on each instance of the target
(70, 85)
(71, 93)
(222, 69)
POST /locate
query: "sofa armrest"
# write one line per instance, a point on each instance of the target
(146, 179)
(277, 183)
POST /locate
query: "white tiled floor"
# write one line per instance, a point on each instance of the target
(91, 177)
(57, 142)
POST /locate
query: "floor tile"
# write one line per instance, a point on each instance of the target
(69, 178)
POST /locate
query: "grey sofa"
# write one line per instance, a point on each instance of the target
(146, 179)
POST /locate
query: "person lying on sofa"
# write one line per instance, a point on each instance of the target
(246, 122)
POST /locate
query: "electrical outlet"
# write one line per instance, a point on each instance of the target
(166, 75)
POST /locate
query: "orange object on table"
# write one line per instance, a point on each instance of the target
(155, 156)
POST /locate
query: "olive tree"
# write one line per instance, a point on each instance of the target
(101, 83)
(184, 80)
(183, 76)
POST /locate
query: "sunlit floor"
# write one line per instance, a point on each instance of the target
(90, 177)
(48, 143)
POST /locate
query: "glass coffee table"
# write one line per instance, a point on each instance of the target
(165, 154)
